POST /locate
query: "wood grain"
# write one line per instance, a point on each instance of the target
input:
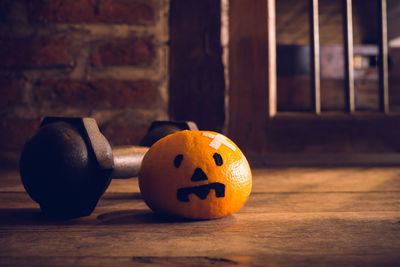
(248, 71)
(197, 85)
(294, 216)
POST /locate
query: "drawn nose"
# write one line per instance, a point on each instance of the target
(198, 175)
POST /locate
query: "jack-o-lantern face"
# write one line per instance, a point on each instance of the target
(201, 191)
(195, 174)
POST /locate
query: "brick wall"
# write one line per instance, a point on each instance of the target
(102, 58)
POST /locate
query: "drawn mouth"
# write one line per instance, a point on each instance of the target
(201, 191)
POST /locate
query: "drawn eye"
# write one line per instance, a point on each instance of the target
(178, 160)
(218, 159)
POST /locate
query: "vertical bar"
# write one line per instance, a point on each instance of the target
(271, 42)
(315, 57)
(383, 58)
(348, 56)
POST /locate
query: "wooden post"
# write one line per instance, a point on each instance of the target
(383, 58)
(348, 56)
(252, 71)
(315, 57)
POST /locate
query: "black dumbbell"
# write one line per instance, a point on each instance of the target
(68, 164)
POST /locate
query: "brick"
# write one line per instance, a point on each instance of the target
(97, 94)
(136, 52)
(123, 133)
(43, 52)
(126, 11)
(129, 93)
(91, 11)
(14, 132)
(10, 91)
(62, 10)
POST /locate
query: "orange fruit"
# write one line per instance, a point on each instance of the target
(196, 175)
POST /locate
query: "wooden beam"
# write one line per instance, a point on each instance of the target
(315, 57)
(383, 58)
(197, 85)
(271, 47)
(251, 68)
(348, 55)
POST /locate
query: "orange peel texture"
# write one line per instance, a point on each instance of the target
(196, 175)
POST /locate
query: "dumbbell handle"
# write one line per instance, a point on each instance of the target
(127, 160)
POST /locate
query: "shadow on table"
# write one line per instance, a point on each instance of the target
(34, 217)
(141, 216)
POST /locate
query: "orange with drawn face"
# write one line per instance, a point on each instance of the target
(195, 174)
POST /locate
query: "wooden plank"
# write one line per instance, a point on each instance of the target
(326, 179)
(348, 56)
(295, 216)
(383, 56)
(197, 85)
(332, 134)
(315, 57)
(249, 72)
(325, 159)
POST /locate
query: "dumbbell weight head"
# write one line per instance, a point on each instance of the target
(68, 164)
(160, 129)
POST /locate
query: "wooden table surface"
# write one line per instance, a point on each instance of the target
(294, 216)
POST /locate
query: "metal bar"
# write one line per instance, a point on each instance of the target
(127, 161)
(348, 56)
(383, 58)
(315, 57)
